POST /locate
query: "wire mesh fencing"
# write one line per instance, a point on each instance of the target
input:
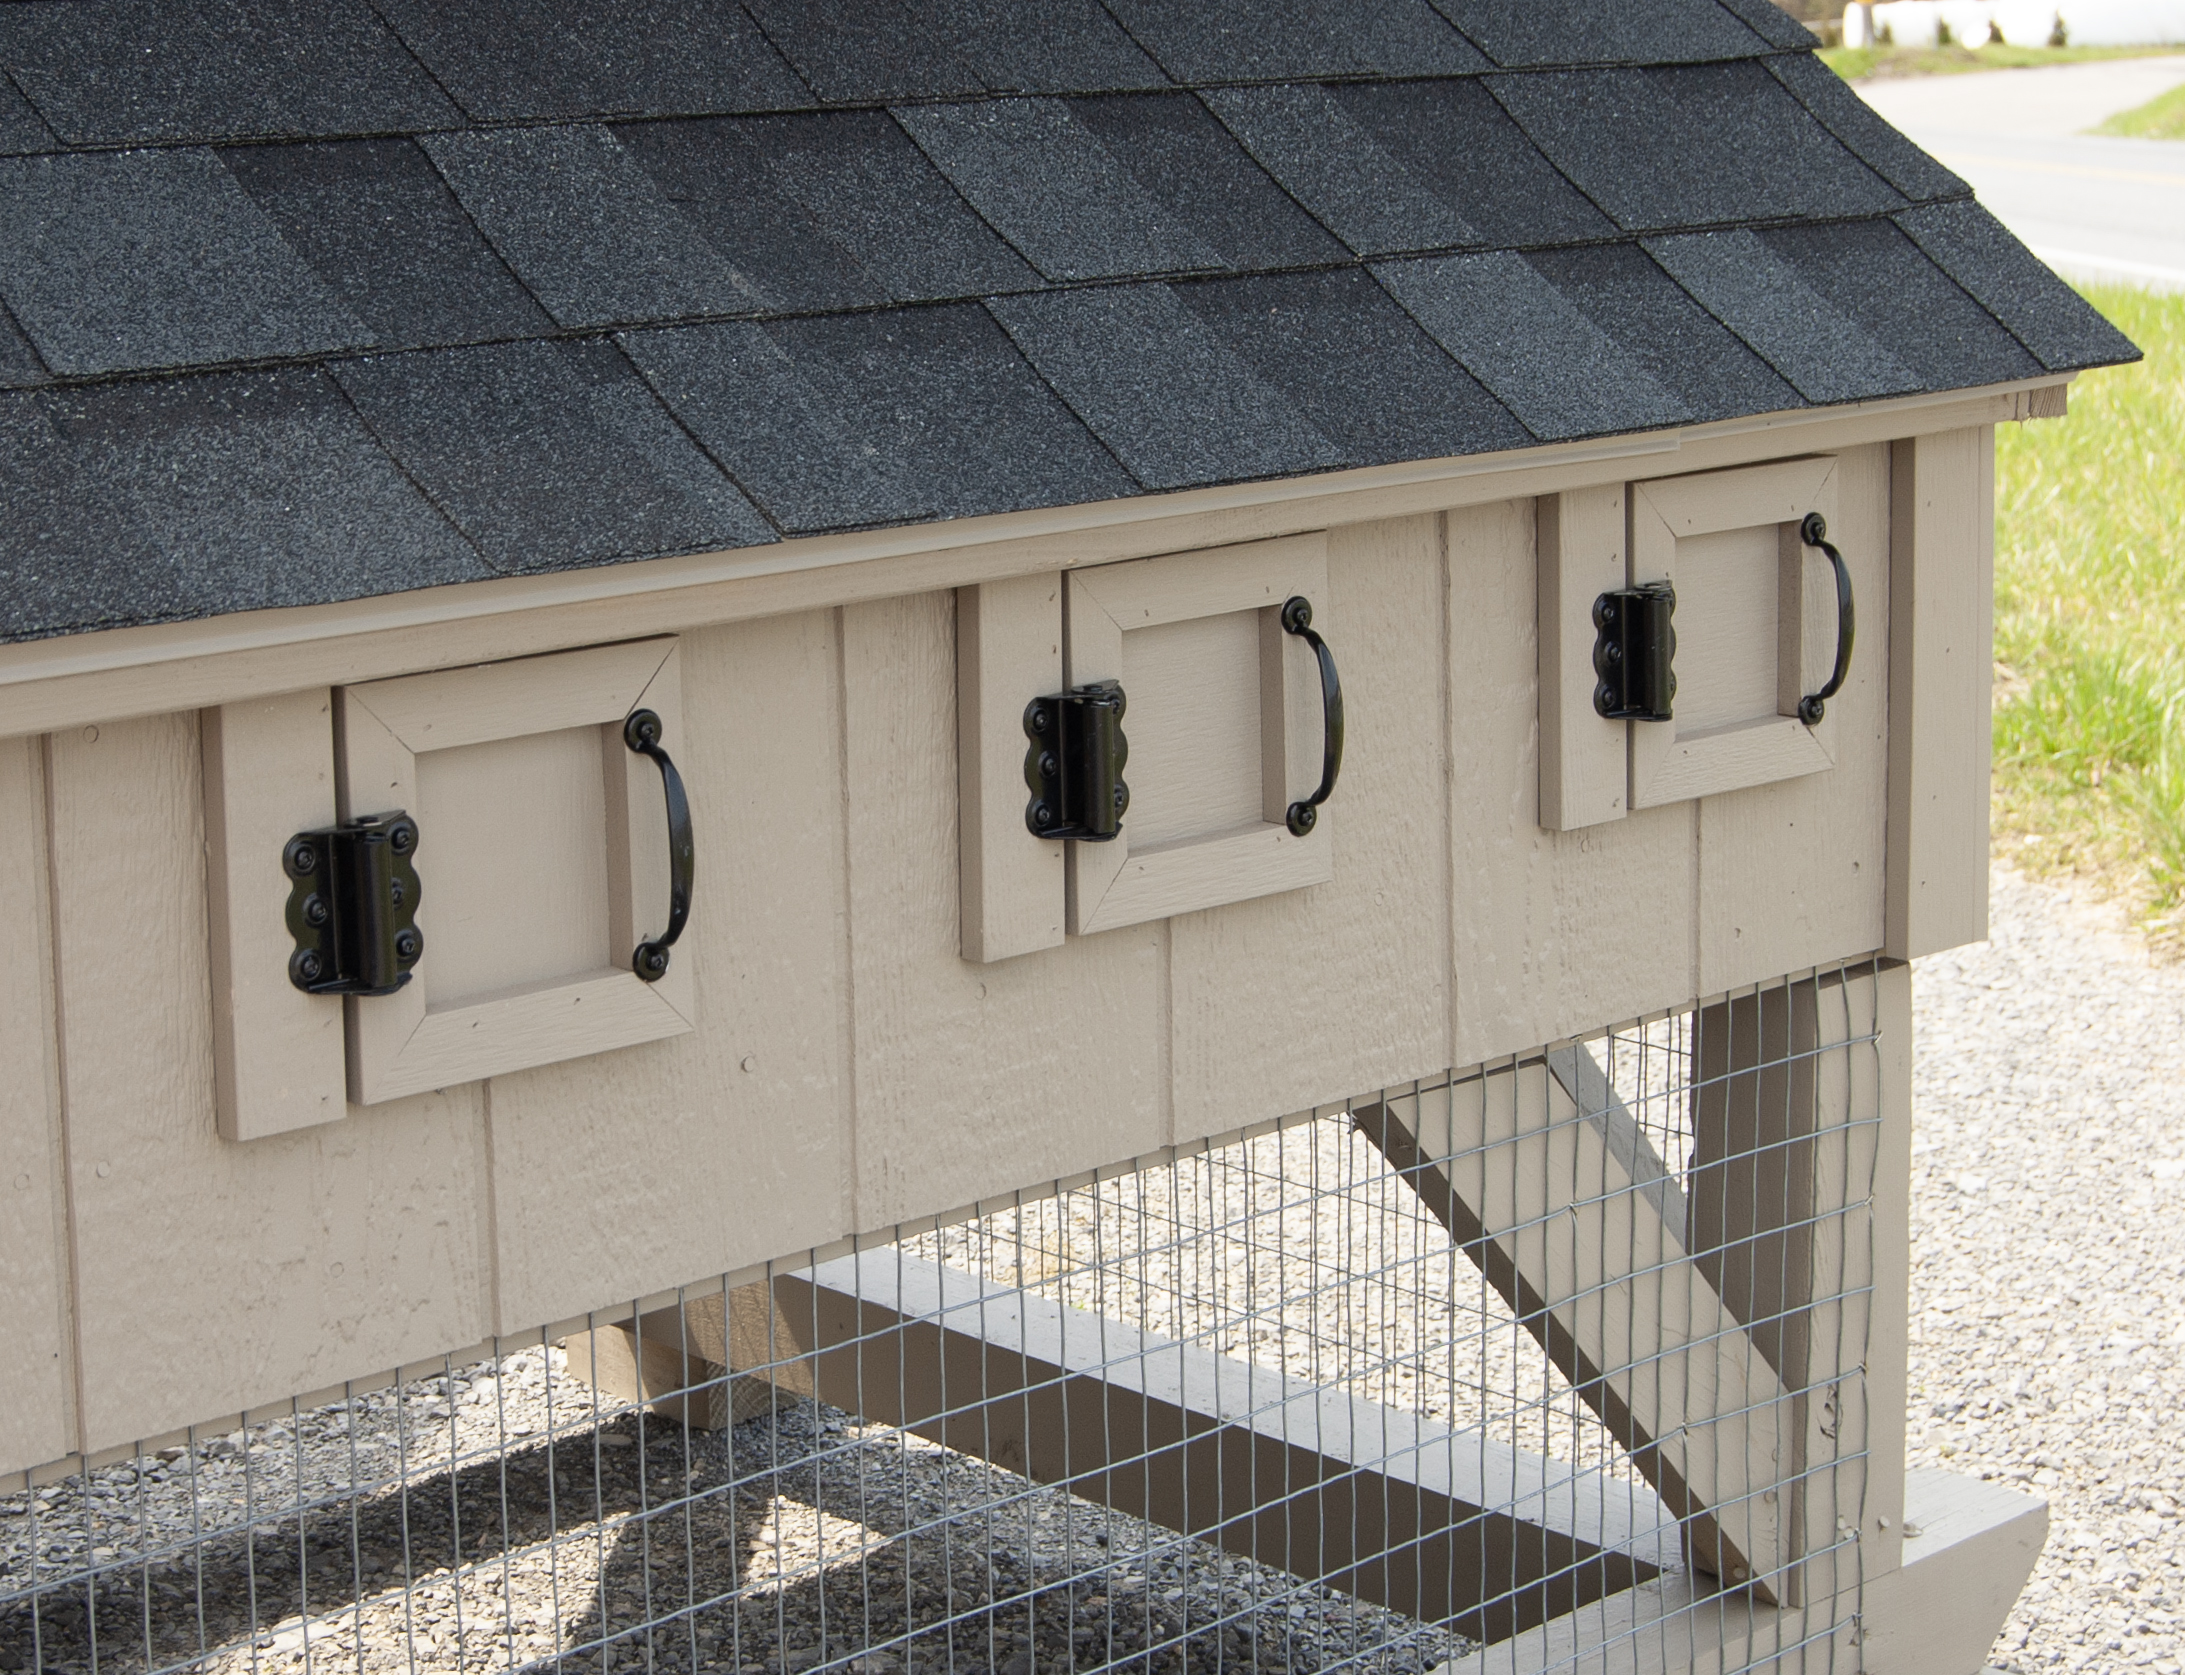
(1393, 1385)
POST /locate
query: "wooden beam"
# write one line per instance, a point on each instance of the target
(1443, 1525)
(1785, 1126)
(1937, 1615)
(1547, 1183)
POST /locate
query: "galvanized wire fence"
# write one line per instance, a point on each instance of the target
(1367, 1387)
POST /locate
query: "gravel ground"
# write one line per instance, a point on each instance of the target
(2048, 1335)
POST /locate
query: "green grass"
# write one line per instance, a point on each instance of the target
(2161, 118)
(2090, 624)
(1858, 63)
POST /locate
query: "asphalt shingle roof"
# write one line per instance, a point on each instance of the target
(305, 300)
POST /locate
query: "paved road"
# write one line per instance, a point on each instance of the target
(2092, 207)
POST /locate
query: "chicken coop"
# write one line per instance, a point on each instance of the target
(934, 836)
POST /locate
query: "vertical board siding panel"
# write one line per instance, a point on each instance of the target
(1556, 933)
(1888, 1372)
(971, 1079)
(1312, 995)
(1584, 768)
(36, 1373)
(1793, 875)
(1941, 677)
(213, 1276)
(1008, 652)
(633, 1171)
(277, 1052)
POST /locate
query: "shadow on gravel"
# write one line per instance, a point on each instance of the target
(794, 1543)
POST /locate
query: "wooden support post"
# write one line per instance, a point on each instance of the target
(1443, 1525)
(673, 1362)
(1785, 1129)
(1547, 1183)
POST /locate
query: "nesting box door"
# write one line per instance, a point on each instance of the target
(543, 850)
(1223, 720)
(1749, 628)
(1230, 724)
(538, 858)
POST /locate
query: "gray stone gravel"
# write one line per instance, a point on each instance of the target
(2048, 1281)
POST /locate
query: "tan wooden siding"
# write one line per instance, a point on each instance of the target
(1791, 874)
(852, 1069)
(213, 1275)
(36, 1378)
(627, 1173)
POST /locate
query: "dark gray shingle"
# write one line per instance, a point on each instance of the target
(1194, 168)
(1161, 389)
(1453, 137)
(2046, 315)
(1053, 190)
(1851, 119)
(1688, 351)
(1271, 40)
(20, 366)
(585, 228)
(133, 70)
(20, 129)
(1337, 346)
(712, 171)
(860, 52)
(381, 228)
(1691, 147)
(1495, 314)
(159, 502)
(523, 60)
(1369, 199)
(861, 181)
(1932, 326)
(1525, 33)
(1040, 46)
(1826, 354)
(549, 455)
(130, 260)
(1773, 24)
(877, 418)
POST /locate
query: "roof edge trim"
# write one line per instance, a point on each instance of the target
(103, 675)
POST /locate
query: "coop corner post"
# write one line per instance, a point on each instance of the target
(1941, 672)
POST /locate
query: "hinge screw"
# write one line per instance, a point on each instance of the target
(309, 966)
(314, 910)
(403, 838)
(408, 945)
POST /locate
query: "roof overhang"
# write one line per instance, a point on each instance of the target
(109, 675)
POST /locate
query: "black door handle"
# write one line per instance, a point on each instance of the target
(641, 732)
(1297, 618)
(1814, 532)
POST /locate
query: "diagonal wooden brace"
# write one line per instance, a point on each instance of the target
(1548, 1184)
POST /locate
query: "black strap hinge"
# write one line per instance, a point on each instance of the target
(1075, 765)
(1635, 653)
(352, 906)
